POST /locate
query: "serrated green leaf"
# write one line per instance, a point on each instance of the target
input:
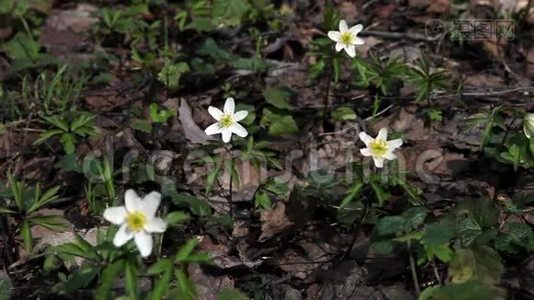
(436, 234)
(278, 96)
(481, 263)
(391, 225)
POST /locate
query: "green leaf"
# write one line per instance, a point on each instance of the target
(185, 250)
(4, 210)
(111, 272)
(187, 289)
(49, 196)
(383, 247)
(81, 278)
(343, 113)
(279, 124)
(131, 278)
(53, 222)
(437, 234)
(415, 216)
(231, 294)
(177, 217)
(5, 287)
(471, 290)
(160, 266)
(278, 96)
(352, 192)
(262, 200)
(443, 252)
(142, 125)
(69, 162)
(481, 263)
(212, 177)
(162, 285)
(380, 193)
(391, 225)
(26, 234)
(468, 230)
(198, 207)
(46, 135)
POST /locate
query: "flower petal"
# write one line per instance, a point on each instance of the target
(343, 26)
(382, 134)
(213, 129)
(351, 50)
(365, 138)
(339, 46)
(366, 152)
(239, 130)
(356, 29)
(144, 243)
(122, 236)
(156, 225)
(229, 106)
(358, 41)
(240, 115)
(393, 144)
(116, 214)
(131, 200)
(379, 162)
(334, 35)
(215, 112)
(150, 204)
(226, 135)
(389, 156)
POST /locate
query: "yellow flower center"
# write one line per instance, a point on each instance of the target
(378, 147)
(346, 38)
(226, 121)
(136, 221)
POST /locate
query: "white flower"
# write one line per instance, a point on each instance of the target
(347, 38)
(227, 121)
(528, 125)
(379, 148)
(137, 220)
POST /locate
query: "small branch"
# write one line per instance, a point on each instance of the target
(436, 273)
(413, 271)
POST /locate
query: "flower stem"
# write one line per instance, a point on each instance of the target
(230, 199)
(327, 93)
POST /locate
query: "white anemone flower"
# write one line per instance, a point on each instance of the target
(346, 38)
(379, 148)
(528, 125)
(137, 220)
(227, 121)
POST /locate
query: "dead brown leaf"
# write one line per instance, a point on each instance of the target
(274, 221)
(191, 130)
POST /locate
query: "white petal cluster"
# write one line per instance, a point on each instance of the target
(347, 38)
(137, 220)
(227, 121)
(379, 148)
